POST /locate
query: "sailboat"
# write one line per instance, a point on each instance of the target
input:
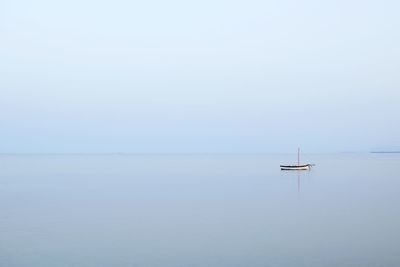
(298, 166)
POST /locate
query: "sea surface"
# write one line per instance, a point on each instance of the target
(199, 210)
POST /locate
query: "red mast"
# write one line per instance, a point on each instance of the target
(298, 156)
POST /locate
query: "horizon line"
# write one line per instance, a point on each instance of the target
(183, 153)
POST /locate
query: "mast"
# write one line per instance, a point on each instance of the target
(298, 156)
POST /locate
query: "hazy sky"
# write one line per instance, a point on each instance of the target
(199, 76)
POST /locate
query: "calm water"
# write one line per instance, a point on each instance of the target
(199, 210)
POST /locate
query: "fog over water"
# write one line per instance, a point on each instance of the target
(210, 76)
(150, 133)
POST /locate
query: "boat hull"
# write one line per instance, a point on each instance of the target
(295, 167)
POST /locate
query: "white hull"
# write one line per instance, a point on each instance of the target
(294, 167)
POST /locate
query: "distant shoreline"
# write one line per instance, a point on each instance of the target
(384, 152)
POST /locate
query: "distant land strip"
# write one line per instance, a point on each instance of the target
(385, 152)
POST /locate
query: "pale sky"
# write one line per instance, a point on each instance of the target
(204, 76)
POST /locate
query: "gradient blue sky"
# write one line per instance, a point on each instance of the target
(204, 76)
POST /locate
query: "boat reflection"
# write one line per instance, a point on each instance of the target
(298, 181)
